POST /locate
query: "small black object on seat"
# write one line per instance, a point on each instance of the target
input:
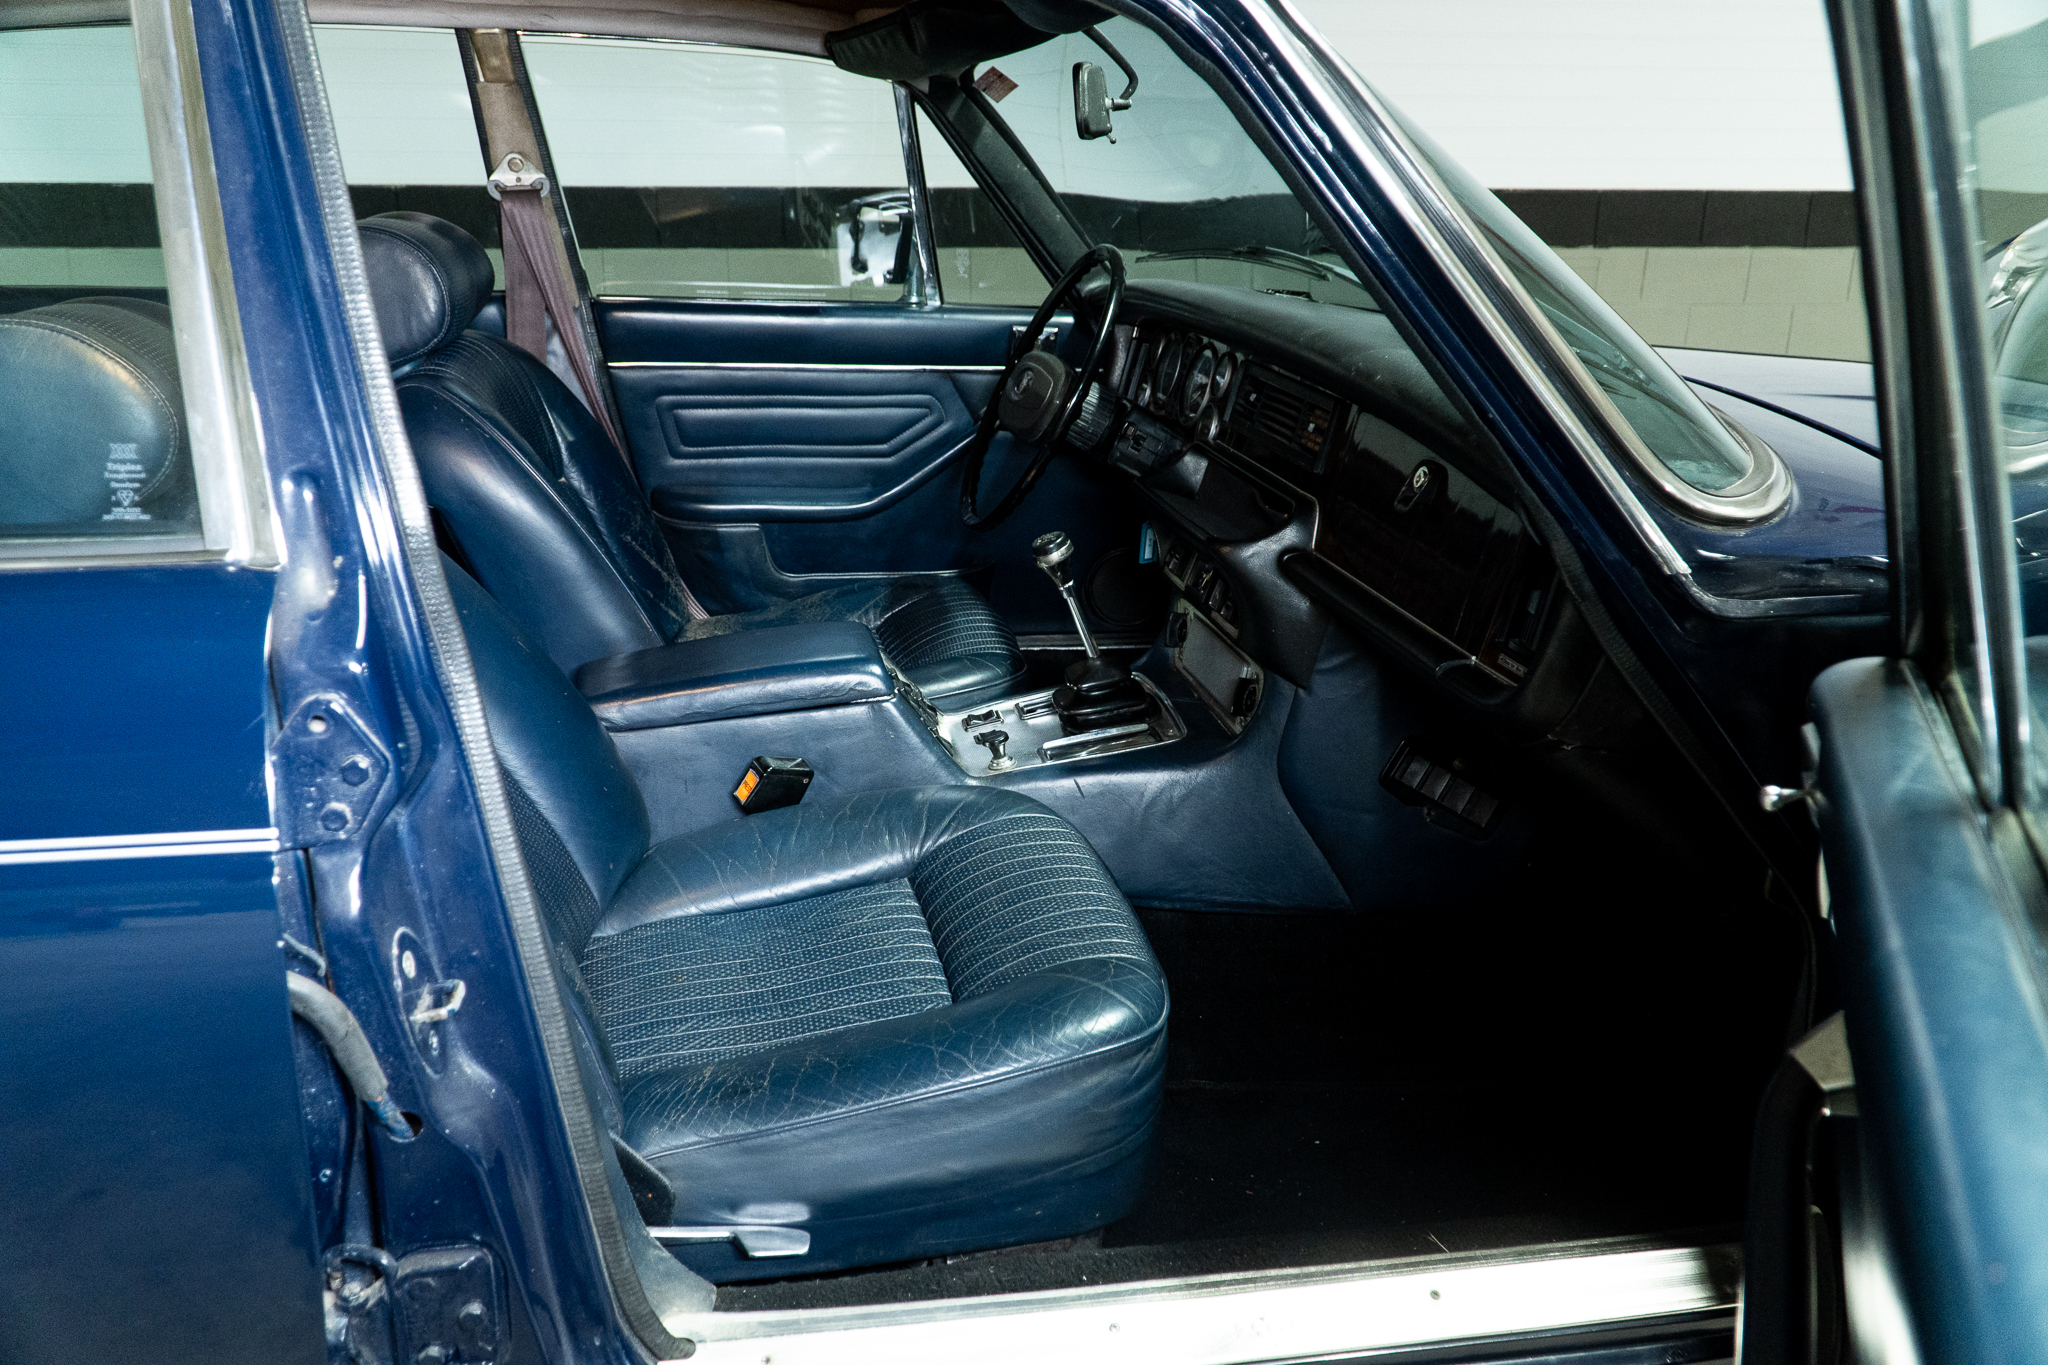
(552, 520)
(906, 1022)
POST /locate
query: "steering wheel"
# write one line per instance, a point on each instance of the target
(1040, 394)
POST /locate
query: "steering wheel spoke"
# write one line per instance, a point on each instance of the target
(1040, 394)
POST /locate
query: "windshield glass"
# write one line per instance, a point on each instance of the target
(1680, 430)
(1177, 185)
(1185, 192)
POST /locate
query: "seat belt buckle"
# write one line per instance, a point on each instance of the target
(515, 172)
(772, 783)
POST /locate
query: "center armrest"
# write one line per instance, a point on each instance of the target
(746, 673)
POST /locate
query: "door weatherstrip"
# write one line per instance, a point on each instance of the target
(107, 847)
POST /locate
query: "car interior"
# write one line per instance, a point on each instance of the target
(1084, 780)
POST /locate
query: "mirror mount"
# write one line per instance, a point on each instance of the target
(1093, 104)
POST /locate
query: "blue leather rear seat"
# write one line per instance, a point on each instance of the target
(552, 519)
(909, 1022)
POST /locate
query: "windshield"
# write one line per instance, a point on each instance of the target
(1680, 431)
(1187, 194)
(1177, 185)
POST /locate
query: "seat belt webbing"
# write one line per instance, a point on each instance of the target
(538, 281)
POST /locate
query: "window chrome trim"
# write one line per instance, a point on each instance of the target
(1427, 206)
(220, 409)
(1315, 1313)
(927, 283)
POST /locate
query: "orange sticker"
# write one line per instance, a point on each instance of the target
(746, 787)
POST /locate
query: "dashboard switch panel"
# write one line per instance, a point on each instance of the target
(1228, 683)
(1144, 445)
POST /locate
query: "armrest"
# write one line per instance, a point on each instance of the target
(746, 673)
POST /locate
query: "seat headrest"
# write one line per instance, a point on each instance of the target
(92, 435)
(427, 278)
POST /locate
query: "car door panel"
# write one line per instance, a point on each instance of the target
(781, 443)
(1941, 978)
(721, 443)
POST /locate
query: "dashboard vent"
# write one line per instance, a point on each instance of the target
(1294, 420)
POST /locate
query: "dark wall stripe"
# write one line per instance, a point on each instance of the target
(125, 216)
(1800, 218)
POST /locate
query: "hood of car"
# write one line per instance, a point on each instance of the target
(1820, 416)
(1835, 396)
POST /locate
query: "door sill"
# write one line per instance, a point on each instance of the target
(1483, 1300)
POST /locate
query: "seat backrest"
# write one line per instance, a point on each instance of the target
(537, 502)
(92, 437)
(581, 822)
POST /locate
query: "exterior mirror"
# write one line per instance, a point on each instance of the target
(1091, 102)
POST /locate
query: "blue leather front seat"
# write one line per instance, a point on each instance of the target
(908, 1022)
(552, 521)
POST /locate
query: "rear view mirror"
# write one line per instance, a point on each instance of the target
(1093, 103)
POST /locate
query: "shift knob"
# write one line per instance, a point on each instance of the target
(1052, 551)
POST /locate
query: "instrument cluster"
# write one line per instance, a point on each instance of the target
(1185, 379)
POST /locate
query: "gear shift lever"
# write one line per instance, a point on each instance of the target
(1052, 551)
(1098, 694)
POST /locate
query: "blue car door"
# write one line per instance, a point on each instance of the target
(1928, 787)
(154, 1181)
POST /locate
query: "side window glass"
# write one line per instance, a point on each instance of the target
(703, 172)
(980, 259)
(96, 450)
(402, 116)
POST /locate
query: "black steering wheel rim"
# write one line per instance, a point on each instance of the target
(1095, 258)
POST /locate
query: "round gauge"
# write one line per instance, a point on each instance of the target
(1166, 378)
(1195, 396)
(1226, 370)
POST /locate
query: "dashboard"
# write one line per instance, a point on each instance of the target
(1359, 497)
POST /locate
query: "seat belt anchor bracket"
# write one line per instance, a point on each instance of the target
(515, 172)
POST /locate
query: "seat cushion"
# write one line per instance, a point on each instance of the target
(910, 1022)
(938, 632)
(695, 989)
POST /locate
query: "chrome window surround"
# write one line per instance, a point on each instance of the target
(1351, 110)
(237, 525)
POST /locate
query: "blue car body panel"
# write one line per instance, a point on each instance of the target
(1837, 396)
(156, 1187)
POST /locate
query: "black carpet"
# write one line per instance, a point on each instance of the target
(1580, 1065)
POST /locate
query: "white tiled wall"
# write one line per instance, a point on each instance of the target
(1770, 300)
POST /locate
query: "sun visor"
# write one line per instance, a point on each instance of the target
(944, 37)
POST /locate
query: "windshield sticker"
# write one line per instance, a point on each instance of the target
(125, 477)
(995, 85)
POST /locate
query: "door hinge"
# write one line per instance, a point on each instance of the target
(327, 772)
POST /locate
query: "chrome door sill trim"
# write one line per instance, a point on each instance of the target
(105, 847)
(1232, 1318)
